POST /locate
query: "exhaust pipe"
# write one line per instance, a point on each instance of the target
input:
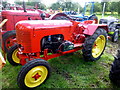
(24, 8)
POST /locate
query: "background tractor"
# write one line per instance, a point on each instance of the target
(13, 16)
(83, 17)
(114, 74)
(115, 70)
(41, 40)
(113, 26)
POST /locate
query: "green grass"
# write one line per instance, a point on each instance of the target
(69, 71)
(99, 15)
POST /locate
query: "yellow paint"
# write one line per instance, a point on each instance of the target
(98, 46)
(30, 81)
(15, 57)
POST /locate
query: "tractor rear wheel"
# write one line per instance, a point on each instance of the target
(95, 18)
(60, 16)
(33, 74)
(115, 36)
(9, 39)
(12, 55)
(114, 74)
(94, 45)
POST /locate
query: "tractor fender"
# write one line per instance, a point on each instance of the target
(91, 28)
(117, 25)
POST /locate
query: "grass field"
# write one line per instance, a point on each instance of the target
(70, 71)
(106, 14)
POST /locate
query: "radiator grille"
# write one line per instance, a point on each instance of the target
(24, 38)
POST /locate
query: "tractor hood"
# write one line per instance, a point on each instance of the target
(30, 32)
(43, 24)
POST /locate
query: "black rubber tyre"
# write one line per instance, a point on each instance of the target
(112, 26)
(60, 16)
(94, 18)
(114, 74)
(6, 39)
(90, 43)
(12, 55)
(115, 36)
(26, 69)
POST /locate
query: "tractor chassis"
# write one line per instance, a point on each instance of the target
(24, 58)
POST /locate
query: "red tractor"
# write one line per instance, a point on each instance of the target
(13, 16)
(41, 40)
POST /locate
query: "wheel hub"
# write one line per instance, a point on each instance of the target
(37, 76)
(10, 41)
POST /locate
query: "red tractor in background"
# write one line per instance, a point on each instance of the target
(41, 40)
(13, 16)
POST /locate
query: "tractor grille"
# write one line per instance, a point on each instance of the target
(24, 38)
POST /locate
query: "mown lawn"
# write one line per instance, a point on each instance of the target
(70, 71)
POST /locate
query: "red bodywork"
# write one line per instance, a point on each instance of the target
(15, 16)
(30, 34)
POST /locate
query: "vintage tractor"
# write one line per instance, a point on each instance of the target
(115, 70)
(83, 17)
(9, 33)
(114, 27)
(41, 40)
(13, 16)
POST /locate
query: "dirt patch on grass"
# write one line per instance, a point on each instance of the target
(112, 48)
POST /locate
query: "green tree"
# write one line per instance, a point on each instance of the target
(97, 7)
(65, 5)
(56, 6)
(118, 7)
(113, 7)
(4, 3)
(39, 5)
(19, 3)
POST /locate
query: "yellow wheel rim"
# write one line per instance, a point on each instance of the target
(36, 76)
(15, 57)
(98, 46)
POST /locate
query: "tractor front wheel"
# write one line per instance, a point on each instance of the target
(12, 55)
(94, 45)
(9, 39)
(33, 74)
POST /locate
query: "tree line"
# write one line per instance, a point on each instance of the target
(73, 6)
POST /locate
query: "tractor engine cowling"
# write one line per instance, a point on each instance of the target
(36, 35)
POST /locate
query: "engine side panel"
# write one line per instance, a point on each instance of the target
(30, 33)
